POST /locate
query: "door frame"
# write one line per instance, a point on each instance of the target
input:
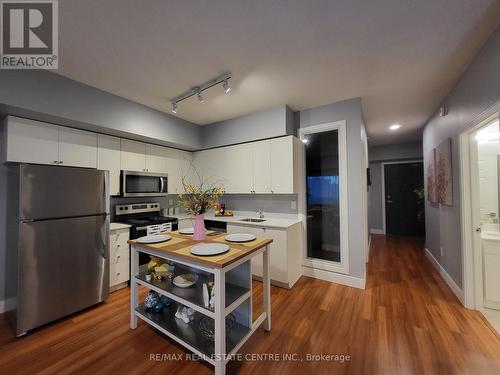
(382, 174)
(343, 265)
(472, 274)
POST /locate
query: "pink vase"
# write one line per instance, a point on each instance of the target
(199, 228)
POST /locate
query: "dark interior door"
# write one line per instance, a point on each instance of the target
(404, 204)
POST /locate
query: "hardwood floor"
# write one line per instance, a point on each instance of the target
(407, 321)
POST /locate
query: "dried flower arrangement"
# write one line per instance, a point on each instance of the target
(200, 197)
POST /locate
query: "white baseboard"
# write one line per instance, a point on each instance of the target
(6, 305)
(446, 277)
(377, 231)
(334, 277)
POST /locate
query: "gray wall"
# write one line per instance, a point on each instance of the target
(476, 91)
(350, 111)
(45, 96)
(269, 123)
(378, 155)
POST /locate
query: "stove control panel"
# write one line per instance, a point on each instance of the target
(136, 208)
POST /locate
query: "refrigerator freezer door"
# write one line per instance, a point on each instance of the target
(63, 268)
(48, 192)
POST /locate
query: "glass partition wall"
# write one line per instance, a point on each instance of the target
(325, 198)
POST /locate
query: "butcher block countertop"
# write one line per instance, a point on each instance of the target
(180, 246)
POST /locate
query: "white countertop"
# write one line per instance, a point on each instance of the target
(115, 226)
(270, 222)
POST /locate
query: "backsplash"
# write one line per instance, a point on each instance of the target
(269, 203)
(273, 203)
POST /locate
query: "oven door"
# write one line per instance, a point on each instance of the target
(143, 184)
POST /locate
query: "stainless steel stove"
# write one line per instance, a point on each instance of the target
(144, 219)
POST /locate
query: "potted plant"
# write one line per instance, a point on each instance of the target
(197, 199)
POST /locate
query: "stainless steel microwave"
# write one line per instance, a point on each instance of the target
(143, 184)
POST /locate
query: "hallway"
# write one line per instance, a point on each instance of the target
(407, 321)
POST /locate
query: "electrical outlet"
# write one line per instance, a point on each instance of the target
(441, 250)
(293, 205)
(170, 202)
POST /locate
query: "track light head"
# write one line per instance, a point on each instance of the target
(226, 86)
(174, 107)
(200, 97)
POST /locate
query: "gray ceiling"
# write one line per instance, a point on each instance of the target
(400, 56)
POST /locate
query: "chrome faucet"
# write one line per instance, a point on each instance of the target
(261, 214)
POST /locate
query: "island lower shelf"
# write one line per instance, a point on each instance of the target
(189, 333)
(194, 294)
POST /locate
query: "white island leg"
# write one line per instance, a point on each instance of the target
(266, 280)
(134, 287)
(220, 322)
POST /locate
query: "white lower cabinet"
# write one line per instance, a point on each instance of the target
(491, 266)
(286, 257)
(119, 262)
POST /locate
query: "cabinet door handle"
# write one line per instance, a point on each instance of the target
(55, 161)
(60, 162)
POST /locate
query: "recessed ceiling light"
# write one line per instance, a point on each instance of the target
(394, 127)
(305, 141)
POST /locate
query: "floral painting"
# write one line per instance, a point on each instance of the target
(444, 182)
(431, 176)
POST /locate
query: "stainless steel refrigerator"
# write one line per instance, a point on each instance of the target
(58, 248)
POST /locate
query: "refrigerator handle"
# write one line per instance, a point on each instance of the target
(106, 192)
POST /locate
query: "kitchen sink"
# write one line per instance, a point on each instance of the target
(253, 220)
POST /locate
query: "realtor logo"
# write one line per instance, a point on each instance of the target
(29, 37)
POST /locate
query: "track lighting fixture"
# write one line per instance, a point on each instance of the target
(198, 90)
(199, 96)
(226, 86)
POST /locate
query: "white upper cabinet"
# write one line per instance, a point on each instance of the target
(263, 167)
(236, 175)
(156, 158)
(77, 148)
(178, 165)
(261, 164)
(211, 164)
(108, 159)
(133, 155)
(28, 141)
(282, 165)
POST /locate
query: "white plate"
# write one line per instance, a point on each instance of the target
(240, 237)
(186, 231)
(181, 281)
(207, 249)
(157, 238)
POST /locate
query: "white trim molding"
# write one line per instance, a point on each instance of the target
(446, 277)
(472, 273)
(334, 277)
(343, 265)
(377, 231)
